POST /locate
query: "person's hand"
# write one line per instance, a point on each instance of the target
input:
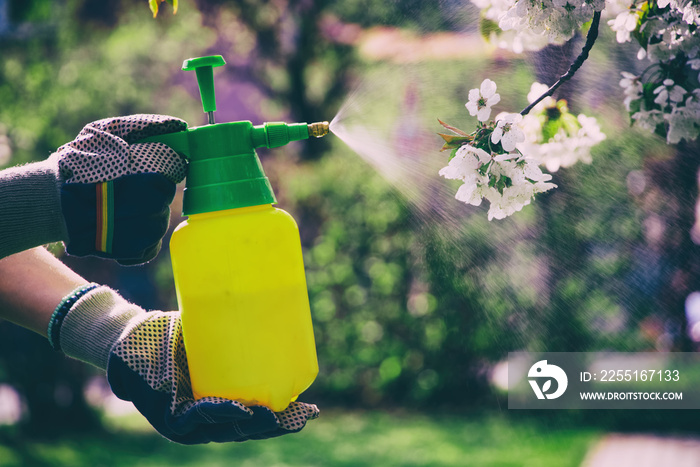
(144, 355)
(116, 193)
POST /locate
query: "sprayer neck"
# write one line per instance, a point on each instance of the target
(224, 170)
(228, 212)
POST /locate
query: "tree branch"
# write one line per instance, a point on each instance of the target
(590, 40)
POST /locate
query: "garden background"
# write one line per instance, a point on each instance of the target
(415, 297)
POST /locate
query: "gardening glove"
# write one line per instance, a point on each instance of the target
(146, 363)
(116, 193)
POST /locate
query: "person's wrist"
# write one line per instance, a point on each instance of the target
(54, 327)
(30, 207)
(95, 323)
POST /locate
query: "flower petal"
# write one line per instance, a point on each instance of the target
(488, 88)
(474, 95)
(497, 134)
(483, 114)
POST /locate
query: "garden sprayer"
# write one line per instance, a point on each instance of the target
(237, 261)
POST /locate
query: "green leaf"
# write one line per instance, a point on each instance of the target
(570, 123)
(482, 140)
(552, 113)
(174, 4)
(153, 5)
(649, 96)
(550, 128)
(453, 129)
(563, 106)
(487, 26)
(452, 142)
(641, 36)
(661, 130)
(635, 106)
(500, 184)
(453, 154)
(483, 169)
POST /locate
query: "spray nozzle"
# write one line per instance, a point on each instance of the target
(318, 129)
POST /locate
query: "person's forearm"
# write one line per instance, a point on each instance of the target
(30, 207)
(32, 284)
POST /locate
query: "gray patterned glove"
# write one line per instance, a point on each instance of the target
(102, 194)
(116, 193)
(144, 355)
(106, 150)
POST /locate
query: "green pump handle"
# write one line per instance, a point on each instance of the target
(204, 68)
(224, 171)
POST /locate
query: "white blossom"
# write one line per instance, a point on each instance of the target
(519, 41)
(648, 119)
(623, 25)
(521, 189)
(557, 20)
(669, 93)
(563, 149)
(466, 161)
(632, 87)
(470, 193)
(691, 13)
(507, 181)
(615, 7)
(684, 122)
(530, 25)
(515, 41)
(507, 131)
(571, 144)
(465, 166)
(482, 99)
(668, 35)
(590, 130)
(688, 9)
(536, 90)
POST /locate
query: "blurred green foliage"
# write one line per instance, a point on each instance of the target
(413, 14)
(336, 439)
(66, 71)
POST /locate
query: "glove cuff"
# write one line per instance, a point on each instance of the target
(95, 323)
(30, 207)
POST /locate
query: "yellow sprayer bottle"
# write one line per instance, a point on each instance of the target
(237, 262)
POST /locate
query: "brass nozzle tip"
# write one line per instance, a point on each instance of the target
(318, 129)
